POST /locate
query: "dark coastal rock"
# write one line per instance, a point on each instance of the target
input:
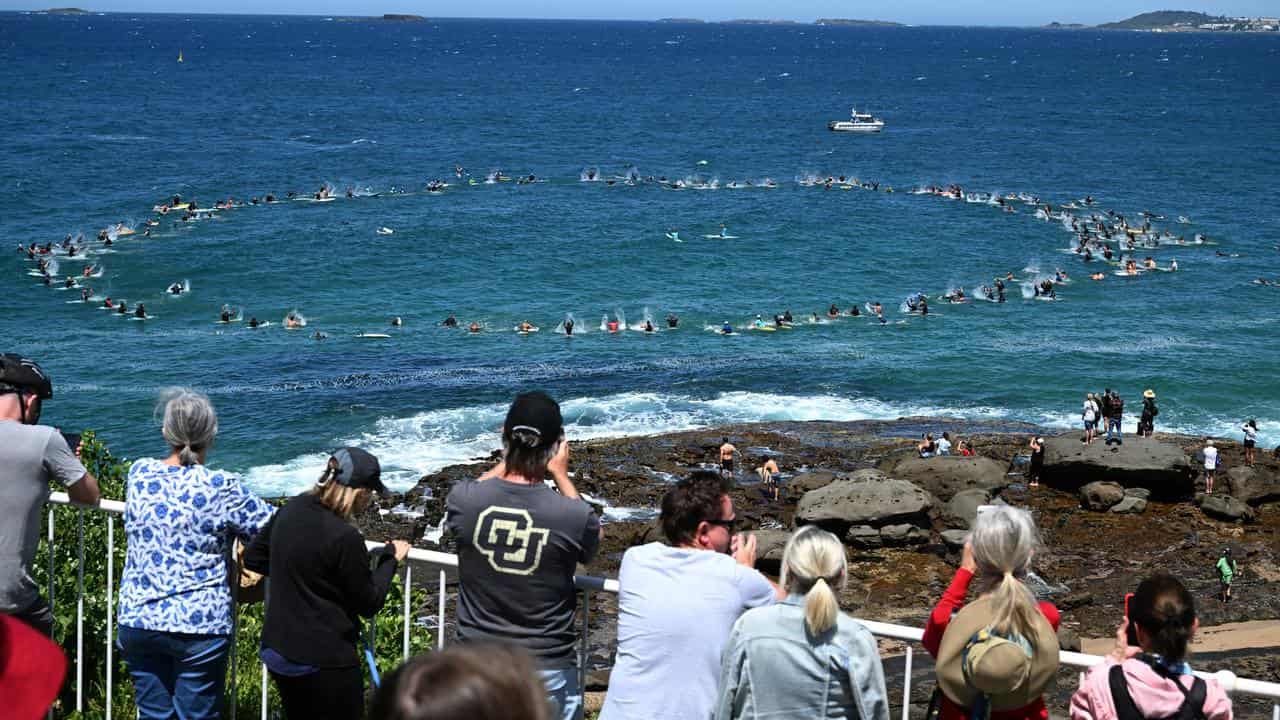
(806, 481)
(770, 544)
(863, 536)
(1254, 485)
(1224, 507)
(947, 475)
(1068, 639)
(1130, 505)
(961, 510)
(1160, 467)
(903, 534)
(1101, 496)
(954, 539)
(1143, 493)
(865, 501)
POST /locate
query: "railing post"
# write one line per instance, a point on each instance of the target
(80, 610)
(408, 591)
(440, 616)
(264, 691)
(234, 567)
(906, 684)
(111, 584)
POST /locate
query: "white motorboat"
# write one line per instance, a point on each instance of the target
(857, 122)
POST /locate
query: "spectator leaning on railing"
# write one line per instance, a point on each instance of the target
(803, 658)
(678, 603)
(31, 456)
(481, 681)
(1152, 680)
(175, 601)
(320, 585)
(998, 653)
(519, 543)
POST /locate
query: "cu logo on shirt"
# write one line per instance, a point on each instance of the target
(508, 538)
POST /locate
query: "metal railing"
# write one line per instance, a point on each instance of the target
(442, 563)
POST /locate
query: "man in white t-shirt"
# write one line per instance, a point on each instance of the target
(1210, 465)
(944, 444)
(678, 603)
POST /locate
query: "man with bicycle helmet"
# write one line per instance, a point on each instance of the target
(31, 456)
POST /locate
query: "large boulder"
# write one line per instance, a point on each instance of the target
(962, 509)
(954, 539)
(1254, 485)
(1101, 496)
(903, 534)
(770, 544)
(866, 501)
(946, 475)
(1224, 507)
(1160, 467)
(812, 480)
(863, 536)
(1130, 505)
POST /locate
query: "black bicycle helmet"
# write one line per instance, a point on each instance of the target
(18, 373)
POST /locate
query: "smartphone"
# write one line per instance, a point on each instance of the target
(73, 439)
(1132, 631)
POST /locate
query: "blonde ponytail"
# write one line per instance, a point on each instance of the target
(811, 563)
(821, 608)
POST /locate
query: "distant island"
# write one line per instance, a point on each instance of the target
(64, 11)
(858, 23)
(1065, 26)
(403, 18)
(682, 21)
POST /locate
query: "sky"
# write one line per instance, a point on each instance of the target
(915, 12)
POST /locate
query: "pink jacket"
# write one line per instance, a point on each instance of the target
(1155, 696)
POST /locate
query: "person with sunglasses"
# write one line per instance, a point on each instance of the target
(678, 603)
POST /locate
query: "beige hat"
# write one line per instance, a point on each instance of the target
(1148, 393)
(973, 661)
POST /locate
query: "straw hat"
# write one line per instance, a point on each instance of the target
(1148, 393)
(973, 661)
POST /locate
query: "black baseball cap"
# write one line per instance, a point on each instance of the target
(535, 412)
(18, 373)
(358, 469)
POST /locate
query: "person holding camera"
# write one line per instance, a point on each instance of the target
(31, 456)
(320, 585)
(1152, 679)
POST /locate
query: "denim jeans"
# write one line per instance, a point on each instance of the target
(175, 675)
(1113, 429)
(563, 693)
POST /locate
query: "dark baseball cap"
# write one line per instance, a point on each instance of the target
(358, 469)
(18, 373)
(535, 412)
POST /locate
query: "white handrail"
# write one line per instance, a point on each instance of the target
(588, 584)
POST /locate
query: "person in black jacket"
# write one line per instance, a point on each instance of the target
(322, 579)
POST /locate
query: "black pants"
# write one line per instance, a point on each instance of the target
(334, 694)
(39, 616)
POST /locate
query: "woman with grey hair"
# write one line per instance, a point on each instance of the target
(803, 658)
(175, 602)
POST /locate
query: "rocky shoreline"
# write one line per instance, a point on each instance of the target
(1108, 517)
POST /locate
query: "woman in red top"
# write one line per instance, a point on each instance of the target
(1006, 539)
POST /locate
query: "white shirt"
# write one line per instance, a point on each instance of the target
(1210, 458)
(944, 446)
(676, 609)
(1250, 433)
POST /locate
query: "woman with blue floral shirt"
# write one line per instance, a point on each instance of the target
(175, 602)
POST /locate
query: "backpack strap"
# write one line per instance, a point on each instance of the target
(1125, 709)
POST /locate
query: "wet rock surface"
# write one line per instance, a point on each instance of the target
(1089, 560)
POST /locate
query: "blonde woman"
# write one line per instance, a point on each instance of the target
(321, 585)
(803, 658)
(999, 652)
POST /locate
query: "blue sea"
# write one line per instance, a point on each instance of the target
(101, 122)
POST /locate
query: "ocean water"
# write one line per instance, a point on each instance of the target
(100, 123)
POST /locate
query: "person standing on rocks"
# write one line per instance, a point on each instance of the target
(1114, 418)
(1227, 569)
(678, 603)
(768, 475)
(726, 458)
(1147, 422)
(1090, 418)
(1250, 429)
(519, 543)
(1210, 465)
(1037, 461)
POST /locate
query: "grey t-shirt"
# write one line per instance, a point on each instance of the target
(518, 547)
(30, 457)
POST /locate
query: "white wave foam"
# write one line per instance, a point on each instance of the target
(424, 443)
